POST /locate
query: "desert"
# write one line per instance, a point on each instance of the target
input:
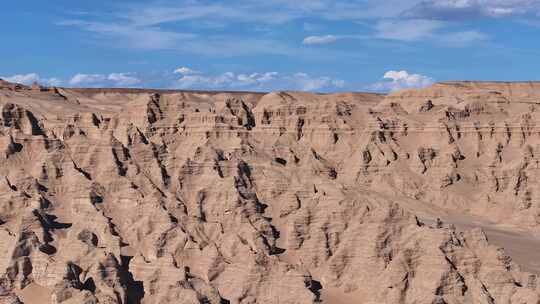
(172, 196)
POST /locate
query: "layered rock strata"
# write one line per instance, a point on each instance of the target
(138, 196)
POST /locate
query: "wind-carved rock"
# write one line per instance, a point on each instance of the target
(14, 116)
(146, 197)
(426, 107)
(426, 157)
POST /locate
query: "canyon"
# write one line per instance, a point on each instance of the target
(162, 196)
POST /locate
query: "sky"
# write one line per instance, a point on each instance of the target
(317, 45)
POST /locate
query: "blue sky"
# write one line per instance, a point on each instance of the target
(317, 45)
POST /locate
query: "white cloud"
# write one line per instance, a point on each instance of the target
(185, 71)
(459, 39)
(501, 11)
(87, 79)
(131, 35)
(30, 78)
(256, 78)
(186, 78)
(398, 80)
(468, 9)
(266, 81)
(151, 25)
(407, 30)
(312, 40)
(305, 82)
(123, 79)
(226, 80)
(272, 12)
(23, 78)
(149, 38)
(146, 20)
(204, 82)
(411, 30)
(113, 79)
(53, 82)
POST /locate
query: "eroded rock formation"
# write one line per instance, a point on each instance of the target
(137, 196)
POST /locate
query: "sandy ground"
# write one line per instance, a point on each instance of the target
(523, 247)
(35, 294)
(335, 296)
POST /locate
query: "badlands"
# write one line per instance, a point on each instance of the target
(147, 197)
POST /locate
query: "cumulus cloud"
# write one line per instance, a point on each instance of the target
(398, 80)
(185, 71)
(206, 82)
(305, 82)
(123, 79)
(265, 81)
(30, 78)
(23, 78)
(228, 80)
(187, 78)
(313, 40)
(53, 82)
(86, 79)
(257, 78)
(113, 79)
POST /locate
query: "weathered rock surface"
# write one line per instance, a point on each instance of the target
(139, 196)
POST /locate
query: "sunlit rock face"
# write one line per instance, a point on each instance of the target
(140, 196)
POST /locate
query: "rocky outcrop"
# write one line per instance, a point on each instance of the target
(134, 196)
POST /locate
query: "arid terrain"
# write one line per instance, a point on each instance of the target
(148, 197)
